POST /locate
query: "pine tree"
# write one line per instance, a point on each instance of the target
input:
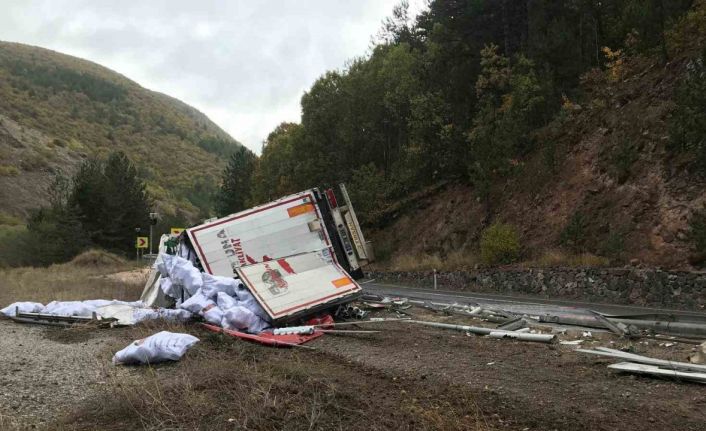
(234, 194)
(127, 205)
(111, 202)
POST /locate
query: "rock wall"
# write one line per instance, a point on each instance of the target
(629, 286)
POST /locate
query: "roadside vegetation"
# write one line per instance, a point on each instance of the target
(433, 103)
(102, 205)
(84, 277)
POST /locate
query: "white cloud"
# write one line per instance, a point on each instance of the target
(245, 64)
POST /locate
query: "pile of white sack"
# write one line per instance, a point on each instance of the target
(65, 308)
(221, 301)
(136, 310)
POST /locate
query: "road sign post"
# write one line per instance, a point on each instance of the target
(142, 242)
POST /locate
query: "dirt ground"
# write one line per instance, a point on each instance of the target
(405, 377)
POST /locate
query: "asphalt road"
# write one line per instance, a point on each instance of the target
(524, 304)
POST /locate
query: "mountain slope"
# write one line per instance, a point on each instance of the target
(56, 110)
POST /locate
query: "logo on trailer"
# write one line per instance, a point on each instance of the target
(232, 247)
(276, 284)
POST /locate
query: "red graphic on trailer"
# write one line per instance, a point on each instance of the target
(276, 284)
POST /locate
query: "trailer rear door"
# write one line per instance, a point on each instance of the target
(298, 284)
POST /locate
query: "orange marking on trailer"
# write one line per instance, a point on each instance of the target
(342, 282)
(300, 209)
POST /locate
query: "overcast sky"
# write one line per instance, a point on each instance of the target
(244, 63)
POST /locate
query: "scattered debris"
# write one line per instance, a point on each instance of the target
(514, 324)
(618, 328)
(652, 370)
(268, 338)
(571, 343)
(613, 353)
(349, 311)
(700, 356)
(523, 336)
(494, 333)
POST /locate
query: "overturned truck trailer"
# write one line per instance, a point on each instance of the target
(297, 255)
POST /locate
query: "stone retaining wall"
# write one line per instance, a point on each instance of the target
(629, 286)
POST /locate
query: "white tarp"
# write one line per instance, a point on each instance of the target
(290, 285)
(162, 346)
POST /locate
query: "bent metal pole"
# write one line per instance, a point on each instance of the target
(544, 338)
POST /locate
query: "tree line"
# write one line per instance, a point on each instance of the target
(102, 205)
(453, 94)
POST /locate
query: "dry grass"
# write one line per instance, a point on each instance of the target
(558, 258)
(454, 261)
(77, 280)
(224, 383)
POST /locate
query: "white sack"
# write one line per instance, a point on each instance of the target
(169, 289)
(95, 303)
(212, 314)
(83, 308)
(212, 284)
(24, 307)
(182, 272)
(225, 301)
(242, 319)
(162, 346)
(69, 308)
(247, 300)
(197, 303)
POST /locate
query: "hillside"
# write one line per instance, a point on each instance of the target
(56, 110)
(603, 174)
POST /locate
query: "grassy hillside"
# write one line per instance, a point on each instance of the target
(56, 110)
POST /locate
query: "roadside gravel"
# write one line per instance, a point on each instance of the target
(43, 371)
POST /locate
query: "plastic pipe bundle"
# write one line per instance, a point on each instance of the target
(300, 330)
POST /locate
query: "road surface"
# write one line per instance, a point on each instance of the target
(524, 304)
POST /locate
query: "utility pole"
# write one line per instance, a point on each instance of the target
(153, 221)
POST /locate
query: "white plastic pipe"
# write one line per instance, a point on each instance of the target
(544, 338)
(303, 330)
(523, 336)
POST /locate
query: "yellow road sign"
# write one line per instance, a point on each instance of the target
(177, 230)
(142, 242)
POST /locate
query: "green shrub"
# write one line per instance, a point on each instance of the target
(8, 171)
(697, 235)
(499, 244)
(574, 234)
(613, 245)
(621, 160)
(688, 125)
